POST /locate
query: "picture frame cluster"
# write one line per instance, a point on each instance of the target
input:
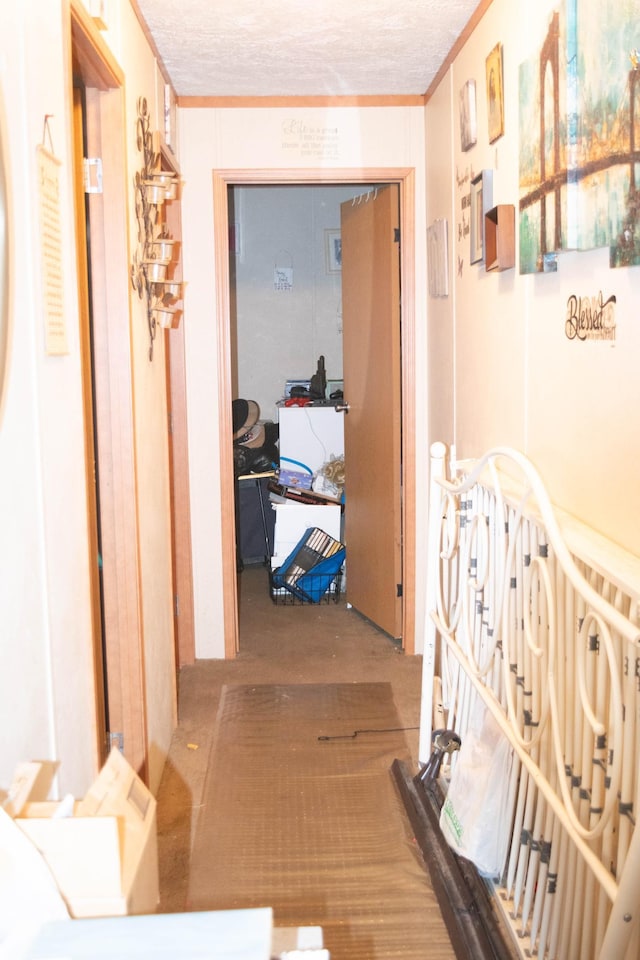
(494, 80)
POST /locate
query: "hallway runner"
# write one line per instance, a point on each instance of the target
(313, 827)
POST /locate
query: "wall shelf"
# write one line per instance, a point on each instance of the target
(499, 239)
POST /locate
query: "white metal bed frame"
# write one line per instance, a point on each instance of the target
(539, 616)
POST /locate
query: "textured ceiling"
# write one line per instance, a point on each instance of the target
(268, 48)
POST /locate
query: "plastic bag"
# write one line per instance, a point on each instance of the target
(476, 816)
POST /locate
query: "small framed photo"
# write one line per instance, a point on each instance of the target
(495, 94)
(333, 251)
(468, 116)
(169, 117)
(481, 200)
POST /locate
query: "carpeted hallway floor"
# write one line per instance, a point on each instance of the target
(280, 645)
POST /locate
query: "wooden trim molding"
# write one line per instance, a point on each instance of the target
(473, 22)
(227, 491)
(400, 100)
(124, 647)
(112, 373)
(99, 67)
(405, 177)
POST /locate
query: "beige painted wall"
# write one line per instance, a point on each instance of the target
(46, 676)
(503, 371)
(46, 684)
(151, 435)
(499, 368)
(279, 139)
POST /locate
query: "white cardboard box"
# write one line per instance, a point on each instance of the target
(104, 857)
(225, 935)
(294, 519)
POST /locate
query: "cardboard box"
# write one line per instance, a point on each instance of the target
(104, 856)
(293, 519)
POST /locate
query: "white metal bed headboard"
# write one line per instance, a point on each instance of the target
(539, 616)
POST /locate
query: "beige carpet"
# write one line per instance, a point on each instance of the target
(313, 827)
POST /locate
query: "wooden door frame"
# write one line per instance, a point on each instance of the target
(110, 302)
(91, 473)
(180, 504)
(222, 180)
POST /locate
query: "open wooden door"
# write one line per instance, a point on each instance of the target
(372, 391)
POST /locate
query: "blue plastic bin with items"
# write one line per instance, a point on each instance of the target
(312, 566)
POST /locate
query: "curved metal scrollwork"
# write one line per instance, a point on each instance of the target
(497, 603)
(152, 187)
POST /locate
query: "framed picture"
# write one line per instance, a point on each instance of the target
(481, 200)
(495, 94)
(169, 117)
(468, 116)
(333, 251)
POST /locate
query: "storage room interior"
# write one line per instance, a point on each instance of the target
(286, 318)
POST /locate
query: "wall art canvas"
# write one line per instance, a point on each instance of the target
(607, 134)
(546, 94)
(579, 127)
(608, 128)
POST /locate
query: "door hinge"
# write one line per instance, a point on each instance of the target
(399, 589)
(396, 234)
(115, 740)
(92, 173)
(176, 606)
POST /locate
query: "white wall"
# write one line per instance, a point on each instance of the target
(46, 682)
(282, 334)
(47, 707)
(503, 371)
(151, 433)
(269, 139)
(501, 368)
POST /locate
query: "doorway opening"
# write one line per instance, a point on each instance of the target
(223, 180)
(286, 326)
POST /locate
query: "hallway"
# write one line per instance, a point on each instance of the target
(323, 644)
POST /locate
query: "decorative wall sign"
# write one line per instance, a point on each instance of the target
(283, 272)
(283, 279)
(495, 93)
(438, 258)
(51, 248)
(591, 318)
(312, 140)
